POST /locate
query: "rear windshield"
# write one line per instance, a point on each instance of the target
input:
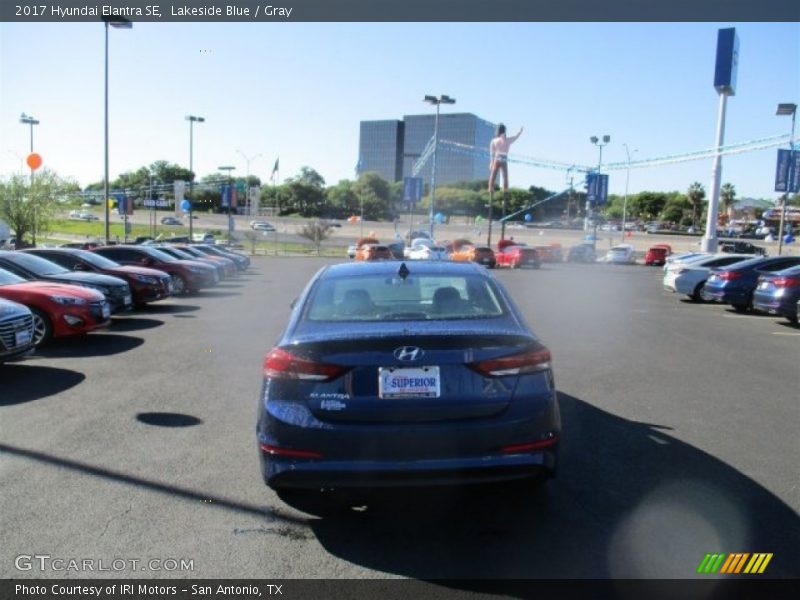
(381, 297)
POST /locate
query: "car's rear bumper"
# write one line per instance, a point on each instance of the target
(299, 450)
(311, 474)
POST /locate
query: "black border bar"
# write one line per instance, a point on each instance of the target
(711, 588)
(257, 11)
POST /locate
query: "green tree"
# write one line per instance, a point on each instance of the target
(696, 194)
(341, 201)
(28, 206)
(317, 232)
(375, 193)
(727, 196)
(309, 177)
(650, 204)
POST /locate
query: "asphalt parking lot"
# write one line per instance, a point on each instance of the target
(138, 443)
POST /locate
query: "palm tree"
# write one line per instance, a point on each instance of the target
(696, 194)
(727, 195)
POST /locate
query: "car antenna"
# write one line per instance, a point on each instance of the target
(403, 271)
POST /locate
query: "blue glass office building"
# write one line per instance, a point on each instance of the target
(383, 143)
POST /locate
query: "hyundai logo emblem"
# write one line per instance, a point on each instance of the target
(408, 353)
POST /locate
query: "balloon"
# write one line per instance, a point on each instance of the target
(528, 218)
(788, 238)
(439, 218)
(34, 161)
(186, 205)
(111, 202)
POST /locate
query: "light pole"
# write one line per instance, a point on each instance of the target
(443, 99)
(596, 141)
(192, 120)
(785, 109)
(247, 178)
(230, 198)
(118, 23)
(29, 120)
(627, 180)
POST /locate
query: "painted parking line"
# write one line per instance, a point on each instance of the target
(786, 333)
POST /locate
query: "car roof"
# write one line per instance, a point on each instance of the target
(391, 267)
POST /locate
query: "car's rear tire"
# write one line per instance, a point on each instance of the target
(740, 308)
(42, 328)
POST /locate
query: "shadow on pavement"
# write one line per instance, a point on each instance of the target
(134, 324)
(166, 309)
(32, 382)
(629, 502)
(94, 344)
(214, 501)
(215, 294)
(168, 419)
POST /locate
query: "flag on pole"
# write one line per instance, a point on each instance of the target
(359, 166)
(274, 174)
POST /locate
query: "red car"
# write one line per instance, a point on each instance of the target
(187, 275)
(657, 254)
(147, 285)
(59, 309)
(513, 255)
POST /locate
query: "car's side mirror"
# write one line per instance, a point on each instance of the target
(293, 303)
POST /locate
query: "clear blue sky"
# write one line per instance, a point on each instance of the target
(299, 90)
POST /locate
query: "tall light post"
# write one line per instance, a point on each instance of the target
(627, 181)
(597, 142)
(192, 120)
(247, 178)
(29, 120)
(229, 168)
(118, 23)
(443, 99)
(786, 109)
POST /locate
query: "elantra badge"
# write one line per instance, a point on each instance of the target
(408, 353)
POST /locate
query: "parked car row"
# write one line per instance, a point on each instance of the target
(72, 291)
(746, 282)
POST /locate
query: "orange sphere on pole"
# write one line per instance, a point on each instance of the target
(34, 161)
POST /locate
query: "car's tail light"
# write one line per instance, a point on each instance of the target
(530, 361)
(728, 275)
(280, 364)
(783, 282)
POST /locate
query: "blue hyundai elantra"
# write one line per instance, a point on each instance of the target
(394, 373)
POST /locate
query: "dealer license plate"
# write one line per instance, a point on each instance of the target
(420, 382)
(22, 337)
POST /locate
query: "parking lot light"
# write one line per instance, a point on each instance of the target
(786, 109)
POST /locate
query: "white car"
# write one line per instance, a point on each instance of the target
(261, 226)
(689, 277)
(415, 243)
(351, 251)
(425, 252)
(683, 257)
(624, 254)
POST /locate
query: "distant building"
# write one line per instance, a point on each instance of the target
(392, 147)
(380, 148)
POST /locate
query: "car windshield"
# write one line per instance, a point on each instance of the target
(7, 278)
(178, 253)
(381, 297)
(101, 262)
(159, 255)
(37, 265)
